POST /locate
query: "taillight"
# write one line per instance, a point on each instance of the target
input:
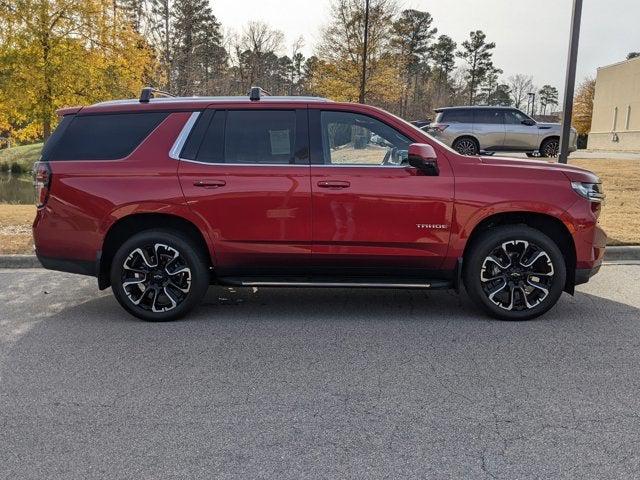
(41, 182)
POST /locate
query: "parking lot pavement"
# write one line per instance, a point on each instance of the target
(317, 384)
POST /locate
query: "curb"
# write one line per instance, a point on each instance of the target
(613, 254)
(624, 254)
(19, 261)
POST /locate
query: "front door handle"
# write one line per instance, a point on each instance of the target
(333, 184)
(209, 183)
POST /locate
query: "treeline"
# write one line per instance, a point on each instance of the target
(55, 53)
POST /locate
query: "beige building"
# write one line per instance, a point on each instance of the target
(616, 108)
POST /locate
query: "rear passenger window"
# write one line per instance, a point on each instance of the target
(259, 136)
(488, 117)
(104, 137)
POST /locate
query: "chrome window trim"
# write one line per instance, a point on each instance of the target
(182, 137)
(222, 164)
(356, 165)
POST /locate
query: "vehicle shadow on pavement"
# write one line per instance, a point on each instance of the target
(296, 383)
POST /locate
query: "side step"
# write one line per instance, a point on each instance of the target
(315, 282)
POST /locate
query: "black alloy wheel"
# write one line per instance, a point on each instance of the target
(550, 148)
(466, 146)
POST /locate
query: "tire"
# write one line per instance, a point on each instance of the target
(466, 146)
(550, 148)
(526, 261)
(159, 275)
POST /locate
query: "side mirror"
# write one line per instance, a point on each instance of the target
(423, 157)
(528, 122)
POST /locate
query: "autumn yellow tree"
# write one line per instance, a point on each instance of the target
(337, 74)
(57, 53)
(583, 106)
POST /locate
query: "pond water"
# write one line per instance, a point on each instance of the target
(16, 189)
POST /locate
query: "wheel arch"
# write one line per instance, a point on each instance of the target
(129, 225)
(551, 136)
(550, 225)
(469, 136)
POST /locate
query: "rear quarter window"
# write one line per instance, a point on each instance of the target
(457, 116)
(103, 137)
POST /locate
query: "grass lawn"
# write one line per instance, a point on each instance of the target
(20, 159)
(620, 216)
(15, 228)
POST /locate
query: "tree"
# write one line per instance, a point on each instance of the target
(478, 54)
(443, 58)
(199, 53)
(583, 106)
(412, 35)
(65, 52)
(548, 97)
(489, 87)
(521, 86)
(633, 55)
(501, 96)
(256, 54)
(341, 53)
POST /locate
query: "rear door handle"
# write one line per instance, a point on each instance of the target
(333, 184)
(209, 183)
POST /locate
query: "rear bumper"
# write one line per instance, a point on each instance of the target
(81, 267)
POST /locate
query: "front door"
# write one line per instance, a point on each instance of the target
(372, 212)
(248, 178)
(520, 136)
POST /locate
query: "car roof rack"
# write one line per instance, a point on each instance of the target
(149, 92)
(256, 92)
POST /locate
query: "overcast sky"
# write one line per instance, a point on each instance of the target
(532, 36)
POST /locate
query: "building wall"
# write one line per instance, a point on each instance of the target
(616, 108)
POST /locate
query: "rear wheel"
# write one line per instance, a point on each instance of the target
(550, 148)
(466, 146)
(159, 275)
(514, 272)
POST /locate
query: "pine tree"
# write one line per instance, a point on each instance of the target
(478, 54)
(197, 42)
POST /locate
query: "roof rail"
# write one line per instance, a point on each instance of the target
(256, 92)
(149, 92)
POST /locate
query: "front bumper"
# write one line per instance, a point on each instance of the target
(583, 275)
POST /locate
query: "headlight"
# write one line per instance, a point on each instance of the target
(591, 191)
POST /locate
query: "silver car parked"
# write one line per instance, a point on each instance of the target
(474, 130)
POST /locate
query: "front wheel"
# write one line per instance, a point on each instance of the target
(159, 275)
(514, 272)
(550, 148)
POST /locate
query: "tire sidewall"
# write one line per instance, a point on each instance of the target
(489, 241)
(192, 256)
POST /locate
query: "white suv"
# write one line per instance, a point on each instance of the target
(472, 130)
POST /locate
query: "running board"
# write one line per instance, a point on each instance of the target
(418, 284)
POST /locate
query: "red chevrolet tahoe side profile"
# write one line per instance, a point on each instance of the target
(161, 197)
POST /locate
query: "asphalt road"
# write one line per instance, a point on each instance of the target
(293, 384)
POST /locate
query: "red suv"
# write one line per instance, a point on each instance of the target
(161, 197)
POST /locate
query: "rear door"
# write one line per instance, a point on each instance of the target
(488, 128)
(246, 173)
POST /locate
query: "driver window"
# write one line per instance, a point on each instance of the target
(354, 139)
(513, 117)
